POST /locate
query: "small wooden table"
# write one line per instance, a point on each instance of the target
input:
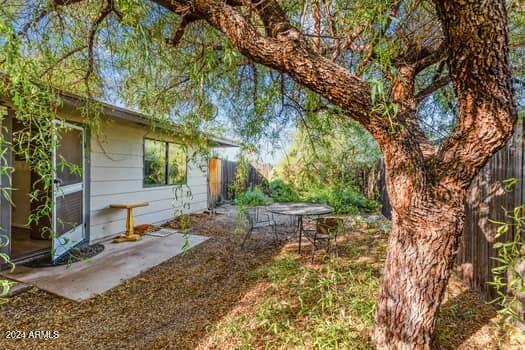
(129, 234)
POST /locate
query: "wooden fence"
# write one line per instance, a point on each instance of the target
(222, 177)
(214, 182)
(486, 200)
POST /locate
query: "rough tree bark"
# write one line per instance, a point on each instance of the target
(421, 245)
(426, 187)
(428, 202)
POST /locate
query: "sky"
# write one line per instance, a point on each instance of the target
(270, 151)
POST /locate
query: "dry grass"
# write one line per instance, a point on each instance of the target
(218, 296)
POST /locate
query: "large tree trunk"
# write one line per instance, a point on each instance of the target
(427, 219)
(427, 190)
(421, 247)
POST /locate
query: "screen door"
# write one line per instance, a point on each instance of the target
(68, 189)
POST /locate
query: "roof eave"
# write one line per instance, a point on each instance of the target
(139, 118)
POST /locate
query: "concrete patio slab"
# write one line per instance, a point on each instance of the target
(18, 288)
(117, 263)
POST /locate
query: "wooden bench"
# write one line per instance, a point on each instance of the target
(129, 234)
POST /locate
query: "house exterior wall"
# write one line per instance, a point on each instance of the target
(117, 177)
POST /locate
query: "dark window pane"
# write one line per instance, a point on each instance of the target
(69, 157)
(177, 164)
(68, 212)
(154, 162)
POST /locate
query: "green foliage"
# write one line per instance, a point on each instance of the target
(345, 200)
(509, 275)
(5, 285)
(329, 163)
(329, 154)
(277, 271)
(251, 198)
(241, 175)
(39, 61)
(297, 305)
(307, 308)
(280, 191)
(383, 105)
(32, 93)
(182, 194)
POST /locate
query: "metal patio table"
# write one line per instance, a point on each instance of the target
(300, 210)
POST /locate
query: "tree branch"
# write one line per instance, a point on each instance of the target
(108, 8)
(479, 69)
(348, 43)
(33, 22)
(65, 57)
(369, 50)
(44, 12)
(181, 29)
(92, 33)
(432, 87)
(273, 17)
(429, 57)
(287, 52)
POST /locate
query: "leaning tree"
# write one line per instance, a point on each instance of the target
(376, 62)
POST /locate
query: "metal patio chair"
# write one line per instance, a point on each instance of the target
(258, 220)
(326, 231)
(288, 225)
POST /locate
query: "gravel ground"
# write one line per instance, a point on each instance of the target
(168, 306)
(174, 305)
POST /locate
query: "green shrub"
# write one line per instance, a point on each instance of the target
(252, 198)
(280, 191)
(345, 200)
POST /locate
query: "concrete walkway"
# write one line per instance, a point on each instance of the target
(117, 263)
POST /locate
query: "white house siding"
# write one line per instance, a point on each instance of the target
(117, 177)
